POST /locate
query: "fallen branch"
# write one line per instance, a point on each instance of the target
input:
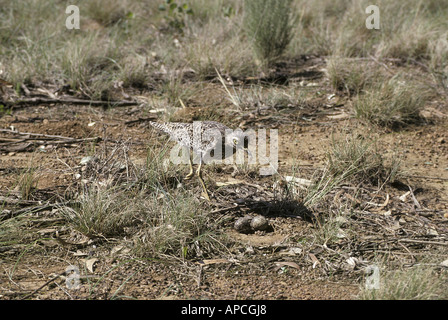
(41, 135)
(94, 139)
(416, 203)
(42, 286)
(424, 242)
(40, 100)
(6, 200)
(11, 214)
(221, 210)
(140, 120)
(48, 137)
(15, 148)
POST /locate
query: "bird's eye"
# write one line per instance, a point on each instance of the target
(235, 141)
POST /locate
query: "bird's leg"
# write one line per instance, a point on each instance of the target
(190, 174)
(198, 172)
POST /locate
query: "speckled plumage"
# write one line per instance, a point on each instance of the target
(183, 133)
(202, 137)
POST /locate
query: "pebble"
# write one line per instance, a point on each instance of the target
(259, 223)
(242, 225)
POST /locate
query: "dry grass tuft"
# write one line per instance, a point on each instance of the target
(361, 160)
(353, 76)
(145, 203)
(392, 104)
(416, 283)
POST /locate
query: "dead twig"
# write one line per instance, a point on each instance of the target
(221, 210)
(139, 120)
(424, 242)
(11, 214)
(39, 100)
(44, 285)
(41, 135)
(416, 203)
(47, 139)
(20, 202)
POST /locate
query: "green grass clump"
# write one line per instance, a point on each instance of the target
(352, 160)
(359, 159)
(100, 212)
(417, 283)
(352, 76)
(143, 203)
(27, 182)
(268, 25)
(173, 225)
(391, 104)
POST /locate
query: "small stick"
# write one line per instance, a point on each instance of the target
(45, 284)
(424, 242)
(35, 134)
(416, 203)
(49, 136)
(76, 101)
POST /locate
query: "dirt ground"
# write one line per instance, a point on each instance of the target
(264, 265)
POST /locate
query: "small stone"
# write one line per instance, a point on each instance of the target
(250, 250)
(242, 225)
(86, 160)
(259, 223)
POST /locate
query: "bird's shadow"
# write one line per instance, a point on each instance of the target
(279, 208)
